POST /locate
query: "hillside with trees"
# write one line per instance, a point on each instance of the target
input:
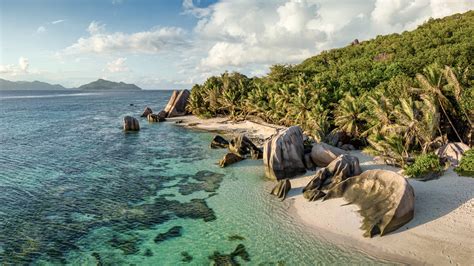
(397, 96)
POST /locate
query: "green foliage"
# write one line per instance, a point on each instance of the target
(466, 166)
(424, 164)
(395, 92)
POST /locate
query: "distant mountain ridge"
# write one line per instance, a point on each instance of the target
(105, 85)
(98, 85)
(28, 85)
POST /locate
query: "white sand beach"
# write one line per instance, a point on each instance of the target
(441, 232)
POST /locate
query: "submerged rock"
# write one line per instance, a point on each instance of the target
(146, 112)
(229, 159)
(243, 146)
(385, 198)
(177, 103)
(281, 189)
(219, 142)
(452, 152)
(230, 259)
(283, 154)
(175, 231)
(323, 154)
(130, 124)
(340, 169)
(186, 257)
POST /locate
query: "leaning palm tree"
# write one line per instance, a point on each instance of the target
(432, 85)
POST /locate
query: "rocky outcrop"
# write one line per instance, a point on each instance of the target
(218, 142)
(452, 152)
(385, 198)
(243, 146)
(146, 112)
(229, 159)
(281, 189)
(340, 169)
(130, 124)
(323, 154)
(155, 118)
(283, 154)
(177, 104)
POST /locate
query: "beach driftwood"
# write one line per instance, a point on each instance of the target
(281, 189)
(130, 124)
(283, 154)
(452, 152)
(385, 198)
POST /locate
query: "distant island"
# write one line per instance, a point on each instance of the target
(105, 85)
(28, 85)
(98, 85)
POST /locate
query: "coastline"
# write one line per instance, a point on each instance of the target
(441, 233)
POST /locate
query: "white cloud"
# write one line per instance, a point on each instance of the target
(23, 63)
(246, 32)
(41, 29)
(117, 65)
(14, 70)
(190, 8)
(57, 21)
(152, 41)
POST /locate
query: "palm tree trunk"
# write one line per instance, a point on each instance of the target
(449, 120)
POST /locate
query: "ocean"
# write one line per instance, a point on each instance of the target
(75, 189)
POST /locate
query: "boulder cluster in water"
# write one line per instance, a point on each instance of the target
(176, 106)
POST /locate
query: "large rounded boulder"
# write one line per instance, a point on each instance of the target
(130, 124)
(323, 154)
(452, 152)
(283, 154)
(385, 198)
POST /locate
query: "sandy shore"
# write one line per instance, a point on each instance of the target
(441, 233)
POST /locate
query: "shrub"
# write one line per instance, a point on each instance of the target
(466, 166)
(424, 165)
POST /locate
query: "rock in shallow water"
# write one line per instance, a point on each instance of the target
(155, 118)
(175, 231)
(130, 124)
(229, 158)
(146, 112)
(218, 142)
(283, 154)
(385, 198)
(281, 189)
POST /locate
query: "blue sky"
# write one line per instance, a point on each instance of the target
(173, 44)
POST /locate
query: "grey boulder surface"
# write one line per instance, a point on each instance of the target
(146, 112)
(282, 188)
(130, 124)
(243, 146)
(340, 169)
(283, 154)
(385, 198)
(323, 154)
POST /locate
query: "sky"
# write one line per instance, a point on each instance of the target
(173, 44)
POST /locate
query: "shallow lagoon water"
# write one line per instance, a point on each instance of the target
(75, 189)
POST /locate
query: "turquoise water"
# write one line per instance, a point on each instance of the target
(75, 189)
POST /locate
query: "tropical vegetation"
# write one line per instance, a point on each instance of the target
(397, 96)
(426, 164)
(466, 166)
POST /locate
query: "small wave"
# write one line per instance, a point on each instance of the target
(50, 95)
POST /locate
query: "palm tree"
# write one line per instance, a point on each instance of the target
(349, 116)
(432, 85)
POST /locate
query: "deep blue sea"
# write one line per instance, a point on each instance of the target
(75, 189)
